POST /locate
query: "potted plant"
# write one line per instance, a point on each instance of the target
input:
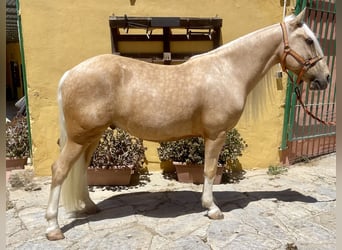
(187, 156)
(116, 158)
(17, 143)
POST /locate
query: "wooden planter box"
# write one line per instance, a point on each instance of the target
(194, 173)
(109, 177)
(15, 163)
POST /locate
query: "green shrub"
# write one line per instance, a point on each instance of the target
(117, 149)
(191, 150)
(276, 170)
(17, 138)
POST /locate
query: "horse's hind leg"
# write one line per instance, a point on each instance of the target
(75, 194)
(212, 151)
(70, 153)
(90, 206)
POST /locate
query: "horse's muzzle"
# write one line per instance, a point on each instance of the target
(317, 84)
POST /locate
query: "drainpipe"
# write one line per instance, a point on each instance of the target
(21, 45)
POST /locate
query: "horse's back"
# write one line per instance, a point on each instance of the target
(141, 97)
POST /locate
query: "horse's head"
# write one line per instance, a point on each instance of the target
(302, 53)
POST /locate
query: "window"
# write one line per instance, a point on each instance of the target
(165, 40)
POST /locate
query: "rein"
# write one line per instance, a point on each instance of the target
(306, 65)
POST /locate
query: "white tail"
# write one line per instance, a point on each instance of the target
(74, 189)
(63, 135)
(72, 195)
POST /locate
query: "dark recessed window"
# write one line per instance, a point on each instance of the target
(166, 40)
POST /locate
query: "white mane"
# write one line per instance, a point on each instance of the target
(256, 104)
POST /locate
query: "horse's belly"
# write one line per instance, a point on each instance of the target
(159, 134)
(161, 128)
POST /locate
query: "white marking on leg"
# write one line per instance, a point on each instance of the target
(207, 195)
(214, 211)
(52, 209)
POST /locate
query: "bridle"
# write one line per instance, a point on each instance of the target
(306, 65)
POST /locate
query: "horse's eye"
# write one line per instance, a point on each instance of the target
(309, 41)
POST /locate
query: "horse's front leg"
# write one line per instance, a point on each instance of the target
(212, 151)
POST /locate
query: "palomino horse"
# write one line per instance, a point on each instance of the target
(204, 96)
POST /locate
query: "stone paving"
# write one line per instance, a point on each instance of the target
(293, 210)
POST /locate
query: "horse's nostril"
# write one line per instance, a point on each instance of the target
(328, 78)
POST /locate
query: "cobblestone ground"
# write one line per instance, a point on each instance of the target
(293, 210)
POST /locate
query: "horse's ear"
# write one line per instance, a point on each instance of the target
(299, 19)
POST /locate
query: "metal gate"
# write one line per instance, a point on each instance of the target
(303, 137)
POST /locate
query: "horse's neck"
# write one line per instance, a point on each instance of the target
(252, 56)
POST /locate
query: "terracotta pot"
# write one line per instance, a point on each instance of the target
(15, 163)
(109, 177)
(194, 173)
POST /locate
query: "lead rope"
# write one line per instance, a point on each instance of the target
(297, 90)
(299, 98)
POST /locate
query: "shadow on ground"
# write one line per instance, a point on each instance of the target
(171, 204)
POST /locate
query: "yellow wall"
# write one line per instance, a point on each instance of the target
(60, 34)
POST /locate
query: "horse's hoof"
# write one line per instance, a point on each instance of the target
(55, 235)
(215, 214)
